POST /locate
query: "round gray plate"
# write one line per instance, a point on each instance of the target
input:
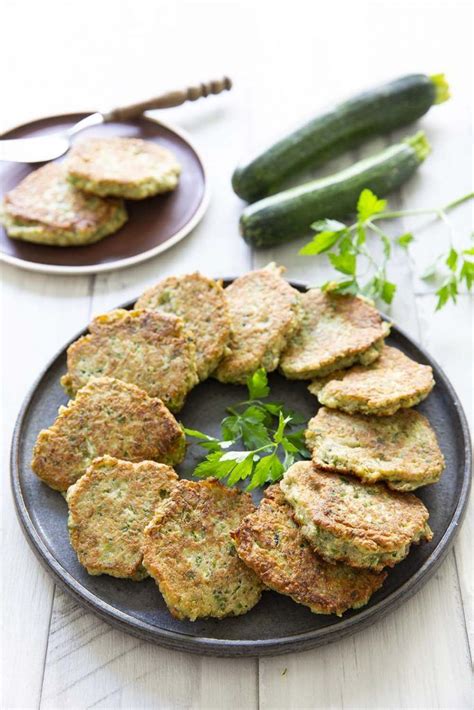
(276, 624)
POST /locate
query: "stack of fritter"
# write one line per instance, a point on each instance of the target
(80, 201)
(315, 534)
(320, 537)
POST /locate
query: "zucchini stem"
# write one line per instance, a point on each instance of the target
(420, 144)
(441, 88)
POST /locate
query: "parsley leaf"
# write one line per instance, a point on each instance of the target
(452, 259)
(262, 472)
(350, 286)
(404, 240)
(266, 432)
(369, 204)
(321, 242)
(448, 291)
(297, 439)
(388, 291)
(467, 272)
(257, 384)
(250, 426)
(345, 263)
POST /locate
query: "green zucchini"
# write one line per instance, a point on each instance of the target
(288, 215)
(345, 126)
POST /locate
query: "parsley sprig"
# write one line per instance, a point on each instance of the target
(344, 244)
(265, 433)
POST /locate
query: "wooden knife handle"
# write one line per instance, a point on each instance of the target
(170, 99)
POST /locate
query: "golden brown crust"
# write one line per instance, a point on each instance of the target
(107, 417)
(399, 448)
(189, 552)
(271, 543)
(145, 348)
(46, 197)
(202, 305)
(336, 330)
(129, 167)
(264, 312)
(368, 520)
(109, 508)
(392, 382)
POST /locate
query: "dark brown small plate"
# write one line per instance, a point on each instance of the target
(276, 624)
(154, 224)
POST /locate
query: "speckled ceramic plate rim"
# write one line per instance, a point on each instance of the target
(222, 647)
(131, 260)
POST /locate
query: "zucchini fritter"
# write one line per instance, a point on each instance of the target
(123, 167)
(264, 313)
(271, 543)
(145, 348)
(202, 305)
(189, 552)
(392, 382)
(344, 520)
(109, 508)
(401, 449)
(111, 417)
(337, 331)
(46, 209)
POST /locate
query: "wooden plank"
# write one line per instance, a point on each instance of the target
(34, 328)
(444, 333)
(89, 664)
(417, 657)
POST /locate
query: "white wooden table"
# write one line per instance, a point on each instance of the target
(287, 59)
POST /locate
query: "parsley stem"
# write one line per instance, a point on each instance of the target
(376, 229)
(365, 252)
(233, 411)
(459, 201)
(403, 213)
(272, 445)
(245, 402)
(442, 216)
(368, 256)
(413, 213)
